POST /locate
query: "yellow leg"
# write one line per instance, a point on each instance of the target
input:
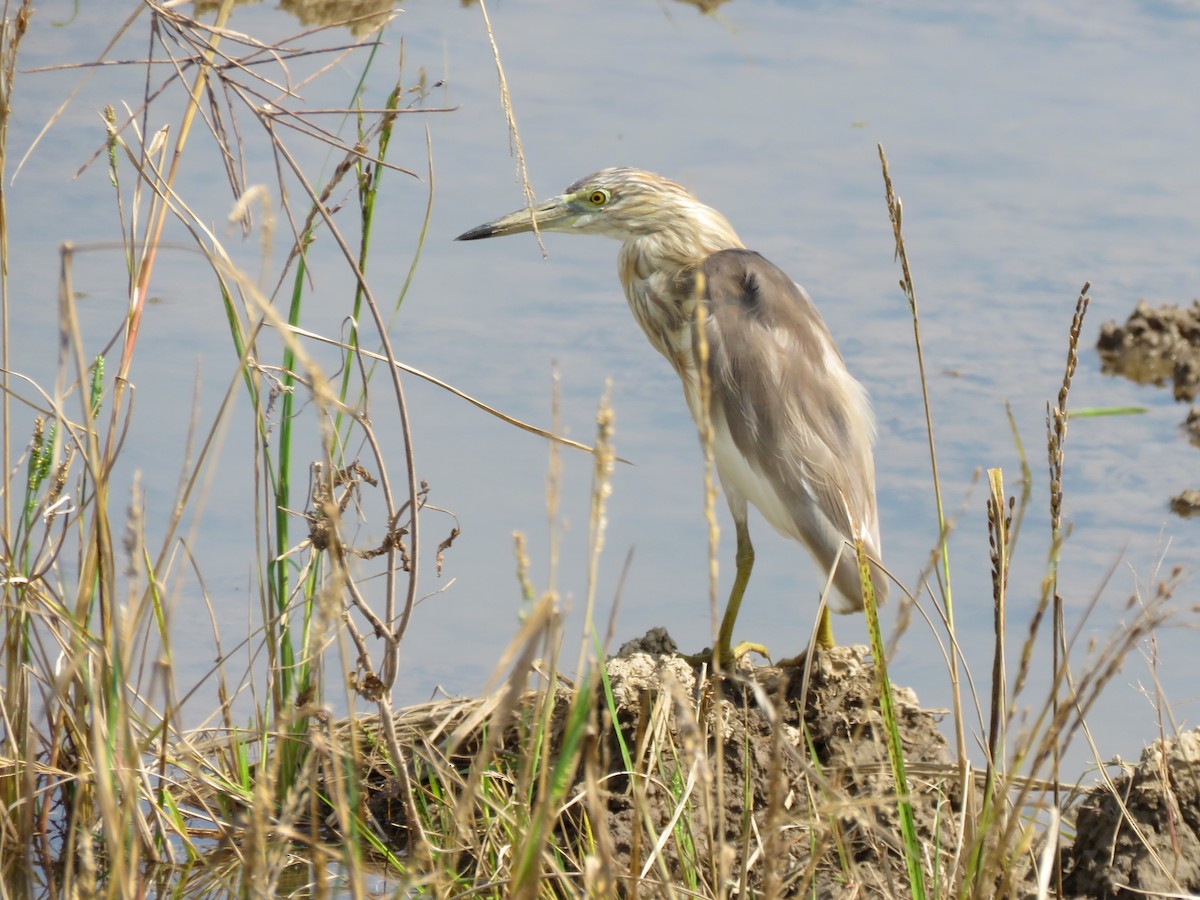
(745, 563)
(724, 652)
(825, 631)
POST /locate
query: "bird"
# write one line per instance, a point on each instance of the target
(792, 431)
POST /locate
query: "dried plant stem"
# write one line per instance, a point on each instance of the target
(11, 32)
(399, 623)
(602, 466)
(510, 116)
(991, 818)
(895, 210)
(552, 435)
(1056, 429)
(16, 744)
(146, 267)
(554, 476)
(704, 390)
(704, 422)
(1000, 519)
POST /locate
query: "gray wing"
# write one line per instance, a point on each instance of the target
(793, 410)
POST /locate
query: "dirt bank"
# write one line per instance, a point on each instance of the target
(778, 781)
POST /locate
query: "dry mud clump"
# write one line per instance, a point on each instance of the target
(1156, 344)
(1191, 425)
(781, 756)
(1186, 503)
(1141, 836)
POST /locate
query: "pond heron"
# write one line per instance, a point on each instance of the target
(792, 430)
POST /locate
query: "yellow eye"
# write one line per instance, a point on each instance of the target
(598, 197)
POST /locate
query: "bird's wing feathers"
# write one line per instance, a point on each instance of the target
(793, 410)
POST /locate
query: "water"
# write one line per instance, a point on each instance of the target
(1034, 148)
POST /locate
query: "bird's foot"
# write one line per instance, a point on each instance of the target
(798, 661)
(823, 641)
(749, 647)
(709, 657)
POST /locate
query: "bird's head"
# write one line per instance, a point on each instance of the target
(621, 203)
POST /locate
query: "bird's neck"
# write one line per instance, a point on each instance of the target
(681, 240)
(655, 268)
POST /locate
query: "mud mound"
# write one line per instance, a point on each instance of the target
(1186, 503)
(1142, 836)
(781, 754)
(769, 782)
(1191, 425)
(1156, 344)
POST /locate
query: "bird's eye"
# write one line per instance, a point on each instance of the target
(598, 197)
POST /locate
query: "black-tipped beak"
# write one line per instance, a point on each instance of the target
(552, 213)
(478, 232)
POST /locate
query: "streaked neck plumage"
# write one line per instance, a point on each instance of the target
(651, 264)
